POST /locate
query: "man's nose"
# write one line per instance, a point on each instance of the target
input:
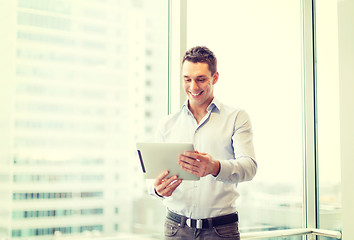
(194, 85)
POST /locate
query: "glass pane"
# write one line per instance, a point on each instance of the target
(84, 80)
(258, 46)
(328, 115)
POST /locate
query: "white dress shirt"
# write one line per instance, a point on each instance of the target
(226, 134)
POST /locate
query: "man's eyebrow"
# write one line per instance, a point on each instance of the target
(199, 76)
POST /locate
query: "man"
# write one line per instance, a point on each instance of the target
(224, 156)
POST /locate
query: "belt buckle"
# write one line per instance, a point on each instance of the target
(199, 223)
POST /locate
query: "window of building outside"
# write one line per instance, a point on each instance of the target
(81, 83)
(258, 46)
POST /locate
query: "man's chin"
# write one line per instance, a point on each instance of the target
(195, 102)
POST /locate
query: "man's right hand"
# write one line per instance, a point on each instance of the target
(165, 187)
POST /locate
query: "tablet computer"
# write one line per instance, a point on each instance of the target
(158, 157)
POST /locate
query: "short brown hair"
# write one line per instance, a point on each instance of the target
(201, 54)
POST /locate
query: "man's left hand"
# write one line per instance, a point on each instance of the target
(199, 164)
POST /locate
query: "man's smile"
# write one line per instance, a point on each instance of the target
(196, 94)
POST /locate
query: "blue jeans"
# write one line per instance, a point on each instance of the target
(224, 232)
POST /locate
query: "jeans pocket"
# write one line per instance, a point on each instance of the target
(171, 228)
(228, 231)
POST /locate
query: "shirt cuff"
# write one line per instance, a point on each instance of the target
(226, 169)
(152, 190)
(158, 195)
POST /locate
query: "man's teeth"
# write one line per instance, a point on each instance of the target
(196, 94)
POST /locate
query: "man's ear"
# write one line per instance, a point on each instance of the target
(215, 77)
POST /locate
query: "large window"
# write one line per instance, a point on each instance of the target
(83, 81)
(258, 45)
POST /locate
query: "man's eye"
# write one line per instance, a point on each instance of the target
(201, 79)
(187, 80)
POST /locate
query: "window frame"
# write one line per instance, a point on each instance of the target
(177, 48)
(310, 134)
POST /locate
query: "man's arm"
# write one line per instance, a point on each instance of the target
(242, 168)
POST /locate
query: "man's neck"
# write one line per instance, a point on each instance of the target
(198, 112)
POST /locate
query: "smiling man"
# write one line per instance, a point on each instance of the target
(224, 157)
(199, 85)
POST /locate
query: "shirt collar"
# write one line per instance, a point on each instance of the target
(214, 104)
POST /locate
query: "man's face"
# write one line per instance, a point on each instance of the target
(198, 84)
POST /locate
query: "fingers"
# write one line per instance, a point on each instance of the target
(189, 158)
(196, 163)
(191, 169)
(196, 156)
(191, 165)
(168, 187)
(165, 187)
(160, 177)
(192, 155)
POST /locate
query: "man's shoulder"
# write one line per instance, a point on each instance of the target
(229, 111)
(228, 108)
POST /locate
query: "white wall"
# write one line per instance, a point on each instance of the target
(346, 80)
